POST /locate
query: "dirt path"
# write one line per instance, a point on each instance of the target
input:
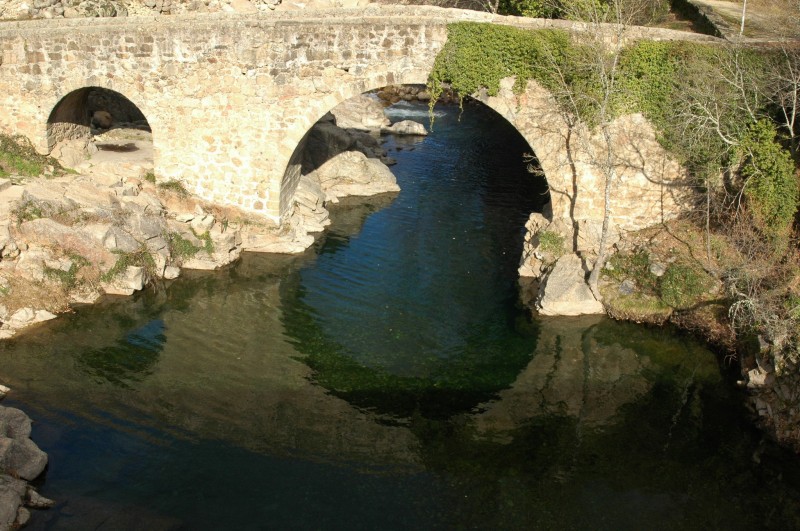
(766, 20)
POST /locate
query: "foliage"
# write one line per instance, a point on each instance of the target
(551, 242)
(26, 211)
(529, 8)
(478, 56)
(648, 71)
(180, 247)
(139, 258)
(208, 243)
(683, 286)
(634, 266)
(771, 186)
(18, 156)
(174, 186)
(638, 12)
(150, 177)
(68, 278)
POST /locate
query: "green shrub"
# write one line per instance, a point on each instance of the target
(771, 186)
(150, 177)
(683, 286)
(68, 278)
(26, 211)
(634, 266)
(551, 242)
(180, 247)
(208, 243)
(480, 55)
(18, 156)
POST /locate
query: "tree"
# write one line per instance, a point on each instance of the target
(601, 62)
(785, 95)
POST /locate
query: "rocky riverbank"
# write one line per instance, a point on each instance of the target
(72, 236)
(107, 227)
(656, 276)
(20, 461)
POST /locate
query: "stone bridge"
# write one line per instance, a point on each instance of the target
(229, 98)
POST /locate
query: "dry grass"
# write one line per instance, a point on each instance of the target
(24, 293)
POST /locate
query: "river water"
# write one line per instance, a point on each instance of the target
(388, 378)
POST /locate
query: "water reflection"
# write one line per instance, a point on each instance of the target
(276, 391)
(130, 359)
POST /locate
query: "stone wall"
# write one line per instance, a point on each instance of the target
(228, 97)
(649, 186)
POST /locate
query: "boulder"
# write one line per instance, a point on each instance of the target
(72, 152)
(352, 173)
(564, 290)
(362, 112)
(102, 120)
(128, 281)
(18, 453)
(28, 316)
(11, 492)
(406, 127)
(48, 232)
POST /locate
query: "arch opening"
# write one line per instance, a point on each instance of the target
(95, 119)
(365, 135)
(450, 242)
(91, 111)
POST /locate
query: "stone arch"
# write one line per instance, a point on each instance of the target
(534, 114)
(73, 116)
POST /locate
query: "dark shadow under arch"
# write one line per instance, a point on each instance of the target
(302, 162)
(86, 111)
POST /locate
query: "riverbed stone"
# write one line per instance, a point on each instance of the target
(18, 453)
(28, 316)
(362, 112)
(37, 501)
(352, 174)
(406, 127)
(564, 290)
(11, 492)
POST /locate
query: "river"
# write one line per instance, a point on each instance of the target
(389, 378)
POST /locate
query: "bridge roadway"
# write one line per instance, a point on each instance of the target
(230, 97)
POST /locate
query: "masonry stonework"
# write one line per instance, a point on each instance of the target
(230, 97)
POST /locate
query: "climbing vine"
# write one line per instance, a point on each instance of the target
(478, 56)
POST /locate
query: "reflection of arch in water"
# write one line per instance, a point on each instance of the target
(453, 385)
(592, 369)
(130, 359)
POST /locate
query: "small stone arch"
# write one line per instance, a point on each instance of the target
(88, 109)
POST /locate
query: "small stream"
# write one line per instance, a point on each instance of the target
(388, 378)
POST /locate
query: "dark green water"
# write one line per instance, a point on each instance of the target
(388, 379)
